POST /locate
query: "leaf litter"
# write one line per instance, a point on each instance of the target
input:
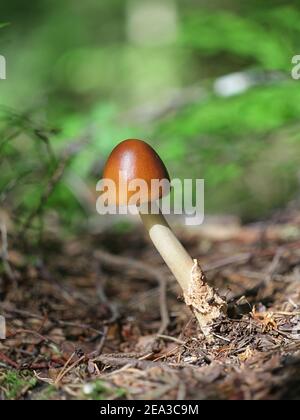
(93, 319)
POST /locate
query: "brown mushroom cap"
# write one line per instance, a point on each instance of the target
(134, 159)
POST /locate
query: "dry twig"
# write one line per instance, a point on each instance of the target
(124, 263)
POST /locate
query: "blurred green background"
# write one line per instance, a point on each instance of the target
(208, 84)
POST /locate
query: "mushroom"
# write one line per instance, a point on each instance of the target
(134, 159)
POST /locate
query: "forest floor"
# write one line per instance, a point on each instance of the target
(101, 317)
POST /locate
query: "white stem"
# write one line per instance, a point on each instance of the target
(205, 302)
(171, 250)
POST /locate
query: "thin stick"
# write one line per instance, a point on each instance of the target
(152, 273)
(63, 368)
(64, 371)
(140, 364)
(169, 338)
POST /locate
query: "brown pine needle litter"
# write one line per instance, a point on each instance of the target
(90, 323)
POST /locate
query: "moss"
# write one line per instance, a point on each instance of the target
(15, 384)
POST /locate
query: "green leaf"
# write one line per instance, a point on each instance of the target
(221, 32)
(3, 25)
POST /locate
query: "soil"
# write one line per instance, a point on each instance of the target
(100, 316)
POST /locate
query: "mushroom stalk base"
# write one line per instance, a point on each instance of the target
(204, 301)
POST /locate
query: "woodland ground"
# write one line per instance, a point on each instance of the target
(100, 317)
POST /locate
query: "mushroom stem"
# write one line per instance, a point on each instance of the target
(171, 250)
(204, 301)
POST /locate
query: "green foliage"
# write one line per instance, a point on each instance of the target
(77, 72)
(255, 112)
(15, 384)
(232, 139)
(259, 37)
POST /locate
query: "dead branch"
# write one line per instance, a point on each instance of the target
(136, 363)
